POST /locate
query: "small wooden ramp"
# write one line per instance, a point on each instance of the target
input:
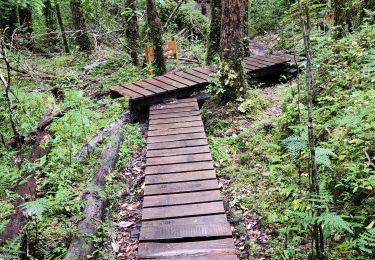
(183, 215)
(183, 83)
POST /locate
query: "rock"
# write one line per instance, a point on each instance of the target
(125, 224)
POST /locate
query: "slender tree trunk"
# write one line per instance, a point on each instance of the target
(156, 35)
(26, 22)
(215, 29)
(246, 32)
(50, 20)
(232, 47)
(79, 23)
(62, 27)
(132, 31)
(314, 175)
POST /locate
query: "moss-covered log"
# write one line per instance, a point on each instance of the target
(82, 245)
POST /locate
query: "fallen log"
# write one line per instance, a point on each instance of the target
(82, 245)
(47, 120)
(90, 146)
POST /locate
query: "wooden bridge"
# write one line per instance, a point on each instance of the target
(183, 215)
(183, 83)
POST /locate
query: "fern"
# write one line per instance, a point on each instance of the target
(323, 156)
(35, 207)
(333, 222)
(370, 62)
(366, 241)
(295, 143)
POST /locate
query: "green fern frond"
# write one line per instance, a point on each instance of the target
(295, 143)
(366, 241)
(333, 222)
(323, 156)
(35, 207)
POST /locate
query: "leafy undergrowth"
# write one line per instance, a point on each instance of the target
(263, 166)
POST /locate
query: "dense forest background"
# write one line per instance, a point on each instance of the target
(59, 58)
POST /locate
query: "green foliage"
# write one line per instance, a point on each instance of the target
(253, 103)
(35, 208)
(366, 241)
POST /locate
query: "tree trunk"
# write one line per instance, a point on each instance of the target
(246, 32)
(314, 175)
(232, 47)
(156, 35)
(83, 245)
(132, 31)
(50, 20)
(26, 22)
(62, 28)
(79, 23)
(215, 28)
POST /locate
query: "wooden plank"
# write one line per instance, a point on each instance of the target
(250, 68)
(190, 77)
(180, 177)
(186, 130)
(174, 105)
(177, 144)
(174, 110)
(206, 208)
(255, 64)
(178, 151)
(180, 79)
(268, 63)
(280, 58)
(200, 157)
(270, 59)
(160, 84)
(175, 125)
(216, 248)
(139, 90)
(196, 231)
(174, 115)
(173, 138)
(205, 257)
(150, 87)
(126, 92)
(198, 74)
(175, 120)
(181, 187)
(181, 198)
(170, 82)
(217, 218)
(182, 167)
(203, 71)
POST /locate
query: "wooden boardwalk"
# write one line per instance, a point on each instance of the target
(183, 83)
(183, 215)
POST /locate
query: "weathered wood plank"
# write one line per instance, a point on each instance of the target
(198, 74)
(206, 208)
(174, 115)
(174, 110)
(178, 151)
(139, 90)
(173, 105)
(170, 82)
(187, 230)
(181, 198)
(180, 177)
(178, 137)
(200, 157)
(180, 79)
(177, 144)
(160, 84)
(181, 187)
(191, 77)
(126, 92)
(203, 70)
(216, 248)
(186, 130)
(175, 125)
(255, 64)
(260, 61)
(150, 87)
(175, 120)
(183, 167)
